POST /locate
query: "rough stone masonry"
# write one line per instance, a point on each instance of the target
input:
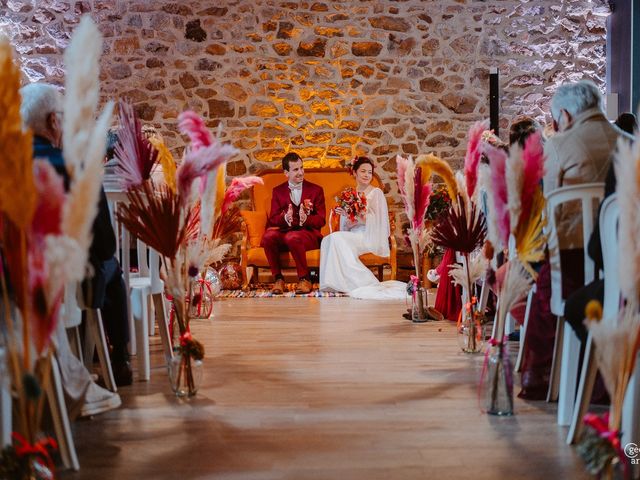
(327, 79)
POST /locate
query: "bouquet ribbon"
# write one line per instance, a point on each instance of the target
(39, 448)
(414, 282)
(601, 425)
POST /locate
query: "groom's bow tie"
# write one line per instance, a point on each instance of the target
(294, 188)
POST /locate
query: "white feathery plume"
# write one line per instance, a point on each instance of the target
(485, 185)
(514, 173)
(515, 285)
(617, 342)
(478, 265)
(410, 188)
(461, 181)
(65, 261)
(627, 168)
(84, 138)
(208, 203)
(217, 251)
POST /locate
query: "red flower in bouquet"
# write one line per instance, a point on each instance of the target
(353, 203)
(307, 205)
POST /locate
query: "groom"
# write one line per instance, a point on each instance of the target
(296, 217)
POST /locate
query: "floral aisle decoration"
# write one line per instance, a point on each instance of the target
(617, 337)
(415, 193)
(46, 234)
(515, 214)
(179, 224)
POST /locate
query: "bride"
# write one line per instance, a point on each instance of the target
(340, 267)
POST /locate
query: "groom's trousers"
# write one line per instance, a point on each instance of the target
(298, 242)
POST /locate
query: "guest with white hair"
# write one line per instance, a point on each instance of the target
(41, 111)
(580, 152)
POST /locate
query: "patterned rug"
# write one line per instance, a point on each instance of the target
(264, 291)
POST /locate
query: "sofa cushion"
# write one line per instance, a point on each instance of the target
(256, 223)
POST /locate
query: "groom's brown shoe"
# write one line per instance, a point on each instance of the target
(304, 286)
(278, 287)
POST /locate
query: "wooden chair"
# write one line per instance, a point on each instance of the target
(562, 384)
(5, 401)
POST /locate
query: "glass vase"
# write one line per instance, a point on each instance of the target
(418, 310)
(185, 375)
(470, 330)
(498, 381)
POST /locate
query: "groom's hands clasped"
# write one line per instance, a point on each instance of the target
(288, 217)
(303, 215)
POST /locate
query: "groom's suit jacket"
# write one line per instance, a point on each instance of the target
(281, 199)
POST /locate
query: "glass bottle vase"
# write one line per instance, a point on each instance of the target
(185, 375)
(498, 381)
(418, 310)
(470, 330)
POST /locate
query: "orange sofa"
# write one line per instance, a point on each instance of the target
(333, 181)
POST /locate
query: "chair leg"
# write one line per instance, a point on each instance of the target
(523, 332)
(163, 327)
(5, 404)
(74, 342)
(60, 417)
(142, 339)
(568, 376)
(380, 272)
(554, 379)
(585, 390)
(96, 327)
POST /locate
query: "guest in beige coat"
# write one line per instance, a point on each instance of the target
(580, 152)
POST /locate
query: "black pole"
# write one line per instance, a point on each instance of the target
(494, 101)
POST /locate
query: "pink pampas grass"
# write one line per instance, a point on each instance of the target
(497, 161)
(474, 153)
(193, 126)
(238, 185)
(533, 171)
(136, 156)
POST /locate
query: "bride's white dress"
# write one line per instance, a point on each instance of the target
(340, 267)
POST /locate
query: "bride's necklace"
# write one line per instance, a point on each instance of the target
(365, 190)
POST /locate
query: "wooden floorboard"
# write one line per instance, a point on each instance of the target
(329, 388)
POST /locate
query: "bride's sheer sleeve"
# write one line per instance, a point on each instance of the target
(376, 234)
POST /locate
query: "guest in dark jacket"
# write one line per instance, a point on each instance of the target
(106, 289)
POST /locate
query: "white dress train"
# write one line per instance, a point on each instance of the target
(340, 267)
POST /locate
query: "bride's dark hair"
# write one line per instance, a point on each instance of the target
(361, 161)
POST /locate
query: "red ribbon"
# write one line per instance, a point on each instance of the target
(601, 425)
(185, 339)
(415, 281)
(40, 448)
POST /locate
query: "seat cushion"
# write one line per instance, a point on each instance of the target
(256, 223)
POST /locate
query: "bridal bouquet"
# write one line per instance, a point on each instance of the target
(353, 203)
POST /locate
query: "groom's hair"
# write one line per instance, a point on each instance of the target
(288, 158)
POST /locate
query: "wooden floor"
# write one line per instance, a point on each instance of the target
(330, 388)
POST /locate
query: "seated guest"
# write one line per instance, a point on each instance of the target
(580, 152)
(340, 267)
(577, 301)
(40, 111)
(297, 214)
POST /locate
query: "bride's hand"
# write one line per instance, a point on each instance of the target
(340, 211)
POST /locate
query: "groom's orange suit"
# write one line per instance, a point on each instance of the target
(280, 236)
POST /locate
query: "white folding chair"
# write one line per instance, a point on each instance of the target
(566, 352)
(5, 401)
(609, 243)
(60, 417)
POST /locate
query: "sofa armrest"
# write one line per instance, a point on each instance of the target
(393, 246)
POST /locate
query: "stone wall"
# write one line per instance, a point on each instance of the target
(327, 79)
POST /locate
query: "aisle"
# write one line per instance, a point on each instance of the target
(329, 388)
